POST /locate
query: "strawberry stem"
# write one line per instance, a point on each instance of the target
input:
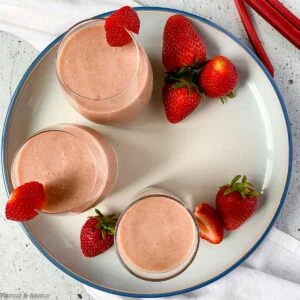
(185, 77)
(106, 224)
(186, 83)
(244, 187)
(230, 96)
(235, 179)
(98, 213)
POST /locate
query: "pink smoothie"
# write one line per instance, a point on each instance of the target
(156, 234)
(105, 84)
(77, 166)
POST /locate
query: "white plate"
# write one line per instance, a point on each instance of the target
(249, 135)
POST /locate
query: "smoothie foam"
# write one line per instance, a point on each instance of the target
(103, 83)
(76, 165)
(156, 234)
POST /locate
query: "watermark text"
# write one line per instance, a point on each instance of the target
(22, 295)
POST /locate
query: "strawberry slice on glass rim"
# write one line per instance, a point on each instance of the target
(119, 24)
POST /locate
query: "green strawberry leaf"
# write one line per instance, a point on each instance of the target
(112, 216)
(178, 85)
(238, 186)
(229, 191)
(195, 78)
(222, 99)
(231, 95)
(103, 234)
(250, 184)
(244, 179)
(247, 191)
(104, 226)
(98, 213)
(111, 231)
(184, 71)
(98, 226)
(235, 179)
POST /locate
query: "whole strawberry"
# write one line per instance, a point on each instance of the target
(210, 225)
(218, 77)
(25, 202)
(182, 45)
(97, 234)
(180, 100)
(236, 202)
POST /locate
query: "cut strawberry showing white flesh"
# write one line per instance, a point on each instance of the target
(210, 225)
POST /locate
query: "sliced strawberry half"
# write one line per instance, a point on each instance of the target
(25, 201)
(119, 23)
(210, 225)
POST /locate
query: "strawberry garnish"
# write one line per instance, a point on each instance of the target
(25, 202)
(182, 45)
(180, 99)
(236, 202)
(218, 78)
(119, 23)
(97, 234)
(210, 225)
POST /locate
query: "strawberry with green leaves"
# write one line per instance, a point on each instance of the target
(97, 234)
(218, 78)
(236, 202)
(180, 99)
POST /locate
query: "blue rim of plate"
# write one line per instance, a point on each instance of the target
(241, 260)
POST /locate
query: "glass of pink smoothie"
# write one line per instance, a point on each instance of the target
(76, 165)
(157, 236)
(104, 84)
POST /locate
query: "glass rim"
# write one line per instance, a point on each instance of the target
(52, 129)
(193, 252)
(77, 27)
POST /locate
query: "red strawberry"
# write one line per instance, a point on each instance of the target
(97, 234)
(218, 77)
(180, 100)
(210, 225)
(182, 45)
(119, 23)
(25, 201)
(236, 202)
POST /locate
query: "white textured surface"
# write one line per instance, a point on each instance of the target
(23, 268)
